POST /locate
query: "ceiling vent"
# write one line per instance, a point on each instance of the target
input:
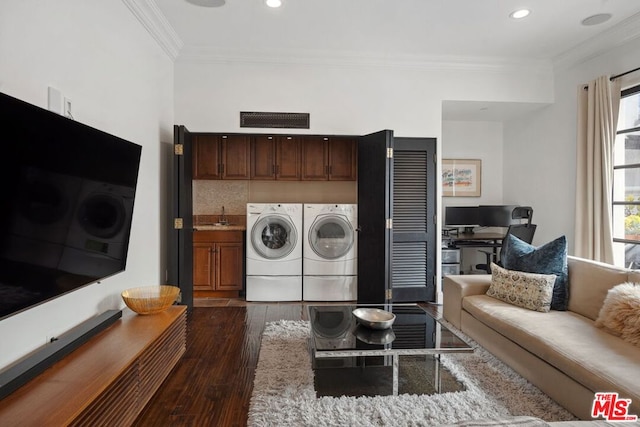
(250, 119)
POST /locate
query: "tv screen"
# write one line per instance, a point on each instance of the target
(66, 202)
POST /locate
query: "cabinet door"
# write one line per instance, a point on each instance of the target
(229, 264)
(263, 163)
(206, 157)
(288, 158)
(343, 157)
(204, 274)
(236, 161)
(315, 158)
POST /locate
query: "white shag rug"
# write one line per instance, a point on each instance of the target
(284, 395)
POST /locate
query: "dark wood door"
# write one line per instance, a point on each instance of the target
(229, 261)
(414, 209)
(315, 158)
(181, 242)
(235, 156)
(288, 166)
(206, 157)
(343, 159)
(263, 162)
(204, 271)
(375, 204)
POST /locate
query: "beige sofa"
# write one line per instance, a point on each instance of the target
(561, 352)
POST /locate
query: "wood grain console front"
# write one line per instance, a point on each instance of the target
(108, 380)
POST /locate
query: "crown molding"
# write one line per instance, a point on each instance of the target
(618, 35)
(208, 54)
(156, 24)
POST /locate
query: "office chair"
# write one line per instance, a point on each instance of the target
(523, 231)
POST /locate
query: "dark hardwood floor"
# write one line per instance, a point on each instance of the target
(212, 384)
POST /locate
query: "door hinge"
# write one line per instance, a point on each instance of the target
(388, 294)
(177, 223)
(389, 153)
(435, 219)
(178, 149)
(389, 224)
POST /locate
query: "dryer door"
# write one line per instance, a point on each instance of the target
(274, 236)
(331, 236)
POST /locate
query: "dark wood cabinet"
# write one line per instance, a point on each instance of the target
(315, 158)
(329, 158)
(275, 158)
(218, 258)
(343, 159)
(221, 156)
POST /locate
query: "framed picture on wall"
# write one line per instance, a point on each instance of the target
(461, 177)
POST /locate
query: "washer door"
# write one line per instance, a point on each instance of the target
(274, 236)
(331, 236)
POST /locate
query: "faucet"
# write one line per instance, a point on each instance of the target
(223, 218)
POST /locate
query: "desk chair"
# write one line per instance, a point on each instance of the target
(523, 231)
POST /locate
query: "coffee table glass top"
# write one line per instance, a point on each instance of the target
(335, 332)
(351, 360)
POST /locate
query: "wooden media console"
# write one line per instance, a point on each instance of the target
(107, 381)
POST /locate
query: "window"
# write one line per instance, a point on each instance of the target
(626, 181)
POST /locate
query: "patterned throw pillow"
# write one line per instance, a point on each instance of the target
(620, 313)
(527, 290)
(550, 258)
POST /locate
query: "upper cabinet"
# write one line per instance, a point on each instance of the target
(275, 158)
(221, 156)
(332, 158)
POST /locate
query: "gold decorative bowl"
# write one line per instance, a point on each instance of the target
(150, 299)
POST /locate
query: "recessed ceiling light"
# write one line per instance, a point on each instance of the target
(519, 14)
(596, 19)
(273, 3)
(207, 3)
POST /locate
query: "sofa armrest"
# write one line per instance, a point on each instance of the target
(455, 288)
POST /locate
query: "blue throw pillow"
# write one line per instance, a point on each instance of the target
(547, 259)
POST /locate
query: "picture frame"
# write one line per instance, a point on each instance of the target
(461, 177)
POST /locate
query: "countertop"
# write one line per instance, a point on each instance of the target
(212, 227)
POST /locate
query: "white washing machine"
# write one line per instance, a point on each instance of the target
(330, 252)
(274, 252)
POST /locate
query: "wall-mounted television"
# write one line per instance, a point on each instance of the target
(66, 202)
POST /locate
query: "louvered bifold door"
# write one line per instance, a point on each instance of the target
(413, 263)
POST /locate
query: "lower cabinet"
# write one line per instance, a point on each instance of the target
(218, 259)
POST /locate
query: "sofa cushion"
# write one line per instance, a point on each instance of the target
(527, 290)
(589, 282)
(567, 341)
(550, 258)
(620, 313)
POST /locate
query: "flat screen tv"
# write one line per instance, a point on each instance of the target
(66, 201)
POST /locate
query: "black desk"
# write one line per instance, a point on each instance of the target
(476, 240)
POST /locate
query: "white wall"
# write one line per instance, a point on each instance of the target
(121, 82)
(342, 99)
(358, 99)
(476, 140)
(540, 149)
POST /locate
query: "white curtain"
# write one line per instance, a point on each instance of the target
(597, 121)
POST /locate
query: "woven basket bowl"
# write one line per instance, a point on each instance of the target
(150, 299)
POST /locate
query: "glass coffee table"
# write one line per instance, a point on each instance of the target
(352, 360)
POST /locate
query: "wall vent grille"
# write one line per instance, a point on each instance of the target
(252, 119)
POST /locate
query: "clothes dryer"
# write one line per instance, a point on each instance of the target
(274, 252)
(330, 252)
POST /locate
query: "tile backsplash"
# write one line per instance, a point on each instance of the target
(209, 196)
